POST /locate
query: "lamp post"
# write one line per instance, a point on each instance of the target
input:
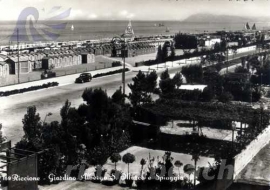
(48, 114)
(262, 105)
(124, 53)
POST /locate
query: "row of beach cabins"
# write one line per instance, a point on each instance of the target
(46, 59)
(43, 60)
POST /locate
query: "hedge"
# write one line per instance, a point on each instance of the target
(110, 73)
(32, 88)
(116, 64)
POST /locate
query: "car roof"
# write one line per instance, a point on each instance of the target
(85, 74)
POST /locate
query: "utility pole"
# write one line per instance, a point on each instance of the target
(18, 52)
(227, 55)
(124, 66)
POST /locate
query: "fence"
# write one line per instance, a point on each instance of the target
(242, 159)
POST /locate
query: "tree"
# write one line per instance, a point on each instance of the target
(225, 97)
(159, 57)
(217, 47)
(213, 80)
(32, 125)
(189, 169)
(172, 56)
(115, 157)
(64, 114)
(142, 162)
(118, 97)
(185, 41)
(128, 159)
(2, 138)
(178, 164)
(241, 69)
(193, 73)
(151, 82)
(142, 88)
(207, 94)
(195, 157)
(178, 79)
(165, 52)
(166, 84)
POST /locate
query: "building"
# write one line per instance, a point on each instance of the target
(212, 42)
(59, 60)
(25, 65)
(4, 69)
(87, 58)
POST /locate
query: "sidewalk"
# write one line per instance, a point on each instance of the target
(63, 80)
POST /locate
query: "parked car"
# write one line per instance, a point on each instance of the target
(84, 77)
(48, 74)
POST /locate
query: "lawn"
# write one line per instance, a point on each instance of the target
(180, 127)
(140, 152)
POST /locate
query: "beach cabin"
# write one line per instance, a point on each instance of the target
(87, 58)
(4, 69)
(48, 62)
(25, 65)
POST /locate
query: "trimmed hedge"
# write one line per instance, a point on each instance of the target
(116, 64)
(110, 73)
(32, 88)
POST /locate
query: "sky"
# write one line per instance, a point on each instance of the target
(135, 9)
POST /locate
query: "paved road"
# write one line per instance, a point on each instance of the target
(51, 100)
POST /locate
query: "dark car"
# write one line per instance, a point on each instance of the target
(84, 77)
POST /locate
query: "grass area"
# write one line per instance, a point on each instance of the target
(187, 144)
(141, 152)
(184, 129)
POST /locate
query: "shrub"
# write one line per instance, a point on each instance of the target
(110, 73)
(226, 97)
(31, 88)
(116, 63)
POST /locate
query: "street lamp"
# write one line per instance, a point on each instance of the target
(262, 106)
(47, 115)
(124, 53)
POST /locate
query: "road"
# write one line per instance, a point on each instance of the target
(51, 100)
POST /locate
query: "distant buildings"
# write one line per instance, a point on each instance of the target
(42, 60)
(210, 42)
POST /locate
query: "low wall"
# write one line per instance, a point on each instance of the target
(188, 61)
(246, 49)
(242, 159)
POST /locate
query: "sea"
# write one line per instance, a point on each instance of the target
(42, 31)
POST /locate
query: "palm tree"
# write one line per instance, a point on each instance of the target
(178, 164)
(189, 169)
(128, 159)
(115, 157)
(195, 157)
(143, 162)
